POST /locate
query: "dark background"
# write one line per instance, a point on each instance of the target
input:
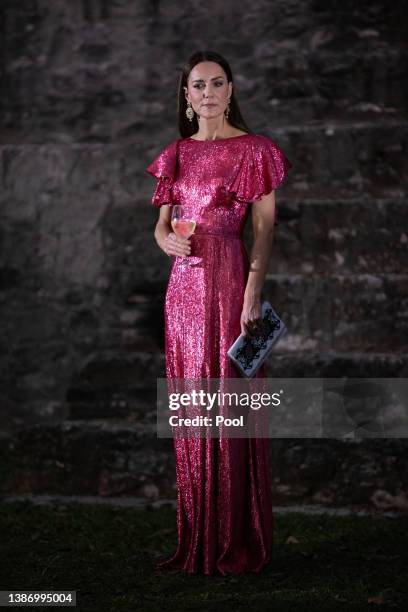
(88, 98)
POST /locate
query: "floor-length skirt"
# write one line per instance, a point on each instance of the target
(224, 503)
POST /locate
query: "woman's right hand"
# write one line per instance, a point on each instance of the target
(176, 245)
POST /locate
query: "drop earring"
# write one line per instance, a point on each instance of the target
(227, 110)
(189, 111)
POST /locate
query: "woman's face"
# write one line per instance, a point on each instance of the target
(208, 89)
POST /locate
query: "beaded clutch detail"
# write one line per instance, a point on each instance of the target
(248, 353)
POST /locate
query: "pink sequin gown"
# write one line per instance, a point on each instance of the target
(224, 506)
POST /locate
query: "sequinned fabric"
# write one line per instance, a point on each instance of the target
(224, 504)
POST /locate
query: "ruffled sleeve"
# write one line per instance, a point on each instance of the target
(163, 167)
(263, 169)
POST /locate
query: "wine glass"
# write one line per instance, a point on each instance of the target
(182, 225)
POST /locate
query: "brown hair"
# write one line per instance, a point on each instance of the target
(187, 127)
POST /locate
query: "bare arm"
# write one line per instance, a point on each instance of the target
(263, 219)
(166, 238)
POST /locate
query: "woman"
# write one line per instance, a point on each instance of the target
(216, 169)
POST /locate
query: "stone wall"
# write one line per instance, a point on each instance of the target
(103, 70)
(88, 99)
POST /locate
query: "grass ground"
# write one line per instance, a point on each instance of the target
(107, 555)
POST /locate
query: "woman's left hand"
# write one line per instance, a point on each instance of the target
(251, 319)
